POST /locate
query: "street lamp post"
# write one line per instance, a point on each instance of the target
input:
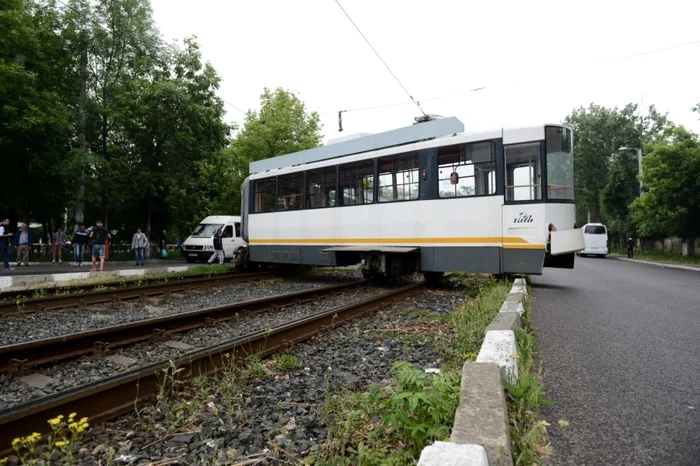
(639, 161)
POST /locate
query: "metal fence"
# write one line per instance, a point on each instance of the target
(117, 251)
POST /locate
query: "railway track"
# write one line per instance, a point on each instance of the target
(14, 302)
(17, 358)
(109, 398)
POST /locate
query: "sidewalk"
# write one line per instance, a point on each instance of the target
(63, 274)
(668, 265)
(37, 268)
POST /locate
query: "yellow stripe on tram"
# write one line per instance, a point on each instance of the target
(508, 242)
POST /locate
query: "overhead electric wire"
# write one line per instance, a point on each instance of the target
(626, 57)
(380, 57)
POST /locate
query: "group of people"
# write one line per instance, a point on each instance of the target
(22, 240)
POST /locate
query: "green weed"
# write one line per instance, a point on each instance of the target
(287, 362)
(390, 424)
(528, 432)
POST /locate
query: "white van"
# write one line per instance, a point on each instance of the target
(595, 236)
(200, 245)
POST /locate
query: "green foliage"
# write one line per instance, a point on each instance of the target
(605, 182)
(528, 432)
(670, 205)
(287, 362)
(283, 125)
(390, 425)
(471, 320)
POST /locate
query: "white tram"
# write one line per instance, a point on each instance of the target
(426, 198)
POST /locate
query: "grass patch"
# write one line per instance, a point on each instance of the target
(389, 425)
(470, 320)
(287, 362)
(660, 256)
(528, 433)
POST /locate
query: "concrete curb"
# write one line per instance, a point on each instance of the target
(19, 281)
(659, 264)
(481, 420)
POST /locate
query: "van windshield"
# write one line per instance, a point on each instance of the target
(206, 229)
(595, 230)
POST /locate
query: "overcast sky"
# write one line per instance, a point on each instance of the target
(536, 60)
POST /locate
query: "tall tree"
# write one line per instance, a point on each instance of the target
(605, 177)
(173, 123)
(34, 121)
(124, 46)
(283, 125)
(670, 205)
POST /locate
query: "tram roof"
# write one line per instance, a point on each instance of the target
(396, 137)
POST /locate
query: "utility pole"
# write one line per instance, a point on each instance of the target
(80, 188)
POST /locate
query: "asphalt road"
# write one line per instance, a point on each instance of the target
(620, 343)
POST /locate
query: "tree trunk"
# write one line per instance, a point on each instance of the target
(103, 180)
(80, 187)
(149, 211)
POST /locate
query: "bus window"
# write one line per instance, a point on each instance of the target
(523, 172)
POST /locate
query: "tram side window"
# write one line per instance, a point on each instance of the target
(357, 183)
(291, 188)
(398, 177)
(467, 170)
(265, 195)
(320, 188)
(523, 172)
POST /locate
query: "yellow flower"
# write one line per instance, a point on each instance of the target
(72, 415)
(83, 420)
(3, 461)
(61, 443)
(55, 421)
(16, 443)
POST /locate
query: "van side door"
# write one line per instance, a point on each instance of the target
(227, 241)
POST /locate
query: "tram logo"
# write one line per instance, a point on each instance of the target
(523, 218)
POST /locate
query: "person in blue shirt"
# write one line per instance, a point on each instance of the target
(80, 240)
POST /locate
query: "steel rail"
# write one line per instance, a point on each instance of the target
(16, 358)
(75, 298)
(109, 398)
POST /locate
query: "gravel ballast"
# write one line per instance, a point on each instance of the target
(19, 328)
(279, 415)
(92, 368)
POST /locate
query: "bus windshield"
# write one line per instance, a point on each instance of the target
(560, 163)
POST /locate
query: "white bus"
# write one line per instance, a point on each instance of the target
(499, 201)
(595, 237)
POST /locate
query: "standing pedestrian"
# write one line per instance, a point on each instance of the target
(59, 241)
(163, 245)
(99, 235)
(218, 247)
(23, 241)
(630, 248)
(5, 235)
(80, 239)
(138, 244)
